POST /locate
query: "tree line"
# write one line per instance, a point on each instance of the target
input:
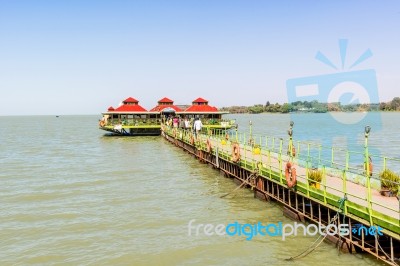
(315, 107)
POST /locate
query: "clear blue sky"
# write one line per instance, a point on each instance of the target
(79, 57)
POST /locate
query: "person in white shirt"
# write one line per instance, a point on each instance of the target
(197, 126)
(187, 124)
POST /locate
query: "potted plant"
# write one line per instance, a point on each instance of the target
(314, 177)
(389, 183)
(256, 149)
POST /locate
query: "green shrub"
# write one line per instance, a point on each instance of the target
(390, 180)
(314, 176)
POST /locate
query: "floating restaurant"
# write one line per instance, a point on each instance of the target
(131, 119)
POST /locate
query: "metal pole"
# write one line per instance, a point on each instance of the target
(290, 133)
(368, 177)
(280, 160)
(251, 133)
(236, 135)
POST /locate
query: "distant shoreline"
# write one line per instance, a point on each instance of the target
(303, 112)
(315, 107)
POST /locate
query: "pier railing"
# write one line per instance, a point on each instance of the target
(344, 172)
(134, 122)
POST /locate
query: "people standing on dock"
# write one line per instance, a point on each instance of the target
(197, 126)
(169, 121)
(175, 122)
(181, 123)
(187, 124)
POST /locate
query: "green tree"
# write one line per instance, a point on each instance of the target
(395, 104)
(334, 107)
(286, 108)
(320, 108)
(256, 109)
(384, 106)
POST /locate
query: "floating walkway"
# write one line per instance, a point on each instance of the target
(348, 192)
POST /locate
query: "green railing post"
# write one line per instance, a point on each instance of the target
(344, 176)
(368, 176)
(273, 144)
(319, 153)
(251, 133)
(280, 160)
(307, 183)
(324, 182)
(245, 148)
(290, 133)
(236, 135)
(345, 171)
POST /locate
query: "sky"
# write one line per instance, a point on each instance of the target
(80, 57)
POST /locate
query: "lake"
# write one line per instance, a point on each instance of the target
(70, 195)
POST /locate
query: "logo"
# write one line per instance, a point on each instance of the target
(249, 231)
(346, 86)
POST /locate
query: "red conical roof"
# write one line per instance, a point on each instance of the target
(200, 100)
(129, 105)
(165, 100)
(130, 100)
(202, 108)
(130, 108)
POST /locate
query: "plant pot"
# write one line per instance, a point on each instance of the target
(256, 151)
(315, 185)
(386, 192)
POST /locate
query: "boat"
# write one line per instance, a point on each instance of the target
(131, 119)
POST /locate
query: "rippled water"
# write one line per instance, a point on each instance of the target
(70, 195)
(325, 130)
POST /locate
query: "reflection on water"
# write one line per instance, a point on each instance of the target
(73, 196)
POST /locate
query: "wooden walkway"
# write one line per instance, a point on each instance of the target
(364, 206)
(379, 207)
(332, 184)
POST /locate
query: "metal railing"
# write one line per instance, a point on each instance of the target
(338, 164)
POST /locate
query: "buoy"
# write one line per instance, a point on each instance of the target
(235, 152)
(290, 174)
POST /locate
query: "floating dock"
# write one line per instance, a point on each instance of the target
(347, 193)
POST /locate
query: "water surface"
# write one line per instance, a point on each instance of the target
(70, 195)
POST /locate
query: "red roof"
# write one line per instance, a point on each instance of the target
(200, 100)
(130, 100)
(165, 100)
(130, 108)
(202, 108)
(111, 108)
(159, 108)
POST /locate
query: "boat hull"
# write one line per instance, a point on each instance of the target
(133, 131)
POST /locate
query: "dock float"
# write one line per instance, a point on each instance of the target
(281, 170)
